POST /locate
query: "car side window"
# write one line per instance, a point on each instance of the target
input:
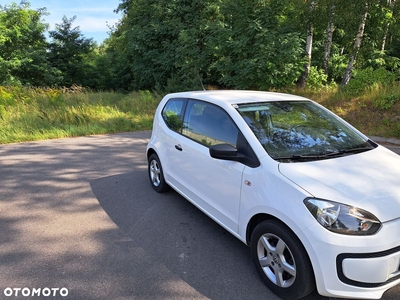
(209, 124)
(172, 113)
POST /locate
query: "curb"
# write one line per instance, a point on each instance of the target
(380, 140)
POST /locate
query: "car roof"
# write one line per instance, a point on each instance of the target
(236, 96)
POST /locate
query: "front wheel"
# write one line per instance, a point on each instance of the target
(156, 174)
(281, 260)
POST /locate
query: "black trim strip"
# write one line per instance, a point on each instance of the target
(344, 279)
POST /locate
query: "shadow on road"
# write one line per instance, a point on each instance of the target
(173, 234)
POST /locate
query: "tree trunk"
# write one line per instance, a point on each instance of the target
(310, 33)
(357, 44)
(391, 6)
(329, 38)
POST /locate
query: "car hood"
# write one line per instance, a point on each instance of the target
(368, 180)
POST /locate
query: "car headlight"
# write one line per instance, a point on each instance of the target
(342, 218)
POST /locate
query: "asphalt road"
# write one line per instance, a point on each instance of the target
(78, 216)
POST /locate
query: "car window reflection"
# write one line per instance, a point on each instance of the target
(209, 124)
(293, 128)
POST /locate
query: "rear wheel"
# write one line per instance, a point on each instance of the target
(281, 260)
(156, 174)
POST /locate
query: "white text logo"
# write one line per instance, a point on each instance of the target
(27, 292)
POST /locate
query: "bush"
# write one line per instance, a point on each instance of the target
(369, 78)
(317, 79)
(387, 101)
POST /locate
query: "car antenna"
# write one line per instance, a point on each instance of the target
(202, 85)
(201, 82)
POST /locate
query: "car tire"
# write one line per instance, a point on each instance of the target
(156, 174)
(281, 260)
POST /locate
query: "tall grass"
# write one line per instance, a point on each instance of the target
(28, 114)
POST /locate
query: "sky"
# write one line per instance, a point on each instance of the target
(92, 16)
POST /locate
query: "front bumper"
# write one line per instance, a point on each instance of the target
(361, 267)
(377, 269)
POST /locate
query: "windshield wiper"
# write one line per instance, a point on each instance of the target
(356, 150)
(307, 157)
(323, 155)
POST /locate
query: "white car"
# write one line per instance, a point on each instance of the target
(317, 201)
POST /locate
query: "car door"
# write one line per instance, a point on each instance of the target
(211, 184)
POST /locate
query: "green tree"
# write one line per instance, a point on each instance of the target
(165, 44)
(23, 47)
(71, 53)
(259, 47)
(254, 44)
(376, 48)
(111, 64)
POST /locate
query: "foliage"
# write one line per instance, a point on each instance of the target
(176, 45)
(164, 43)
(256, 50)
(387, 101)
(69, 52)
(23, 47)
(317, 79)
(369, 79)
(34, 113)
(28, 114)
(380, 59)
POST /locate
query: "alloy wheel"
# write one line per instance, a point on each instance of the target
(276, 260)
(155, 173)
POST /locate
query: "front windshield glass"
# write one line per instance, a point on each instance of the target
(300, 130)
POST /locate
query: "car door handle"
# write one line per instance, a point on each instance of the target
(178, 147)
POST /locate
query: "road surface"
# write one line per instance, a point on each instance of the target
(78, 216)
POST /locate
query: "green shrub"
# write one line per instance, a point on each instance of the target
(369, 79)
(386, 101)
(317, 79)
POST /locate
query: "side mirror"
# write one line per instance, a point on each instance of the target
(228, 152)
(224, 151)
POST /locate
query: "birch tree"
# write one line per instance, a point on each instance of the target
(391, 4)
(329, 36)
(309, 41)
(356, 48)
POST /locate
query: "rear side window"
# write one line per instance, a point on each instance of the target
(173, 113)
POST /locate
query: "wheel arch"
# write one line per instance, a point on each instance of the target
(149, 152)
(261, 217)
(254, 221)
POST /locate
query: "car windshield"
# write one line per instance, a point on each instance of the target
(300, 131)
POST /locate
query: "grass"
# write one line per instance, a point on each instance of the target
(28, 114)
